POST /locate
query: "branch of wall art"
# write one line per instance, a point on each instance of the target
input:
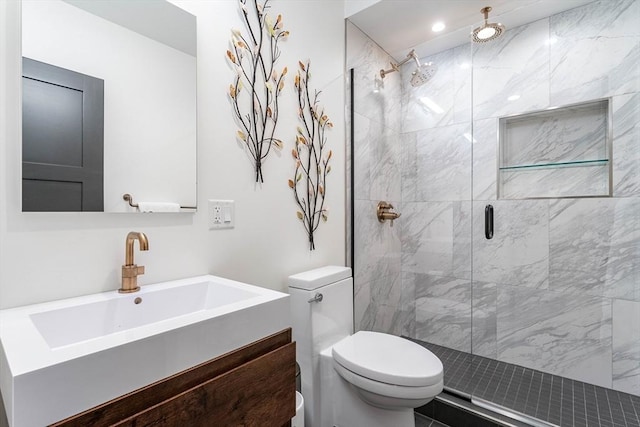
(311, 156)
(257, 85)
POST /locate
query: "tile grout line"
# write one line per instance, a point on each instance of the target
(624, 416)
(633, 406)
(574, 400)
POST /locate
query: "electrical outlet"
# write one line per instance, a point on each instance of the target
(217, 214)
(221, 214)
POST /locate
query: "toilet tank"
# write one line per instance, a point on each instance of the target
(318, 325)
(327, 321)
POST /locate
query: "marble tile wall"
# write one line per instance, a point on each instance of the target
(626, 346)
(595, 247)
(626, 134)
(594, 52)
(437, 188)
(378, 303)
(446, 98)
(440, 164)
(514, 66)
(442, 310)
(553, 332)
(518, 253)
(558, 287)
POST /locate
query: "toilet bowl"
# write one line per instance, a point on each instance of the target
(349, 380)
(388, 371)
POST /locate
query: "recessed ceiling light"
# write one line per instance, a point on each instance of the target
(513, 97)
(438, 26)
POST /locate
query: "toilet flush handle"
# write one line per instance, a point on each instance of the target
(316, 298)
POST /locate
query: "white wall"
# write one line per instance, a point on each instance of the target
(47, 256)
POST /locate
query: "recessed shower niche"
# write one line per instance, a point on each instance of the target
(559, 152)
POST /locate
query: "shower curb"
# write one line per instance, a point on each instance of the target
(452, 410)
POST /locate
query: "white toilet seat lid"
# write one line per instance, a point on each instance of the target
(388, 358)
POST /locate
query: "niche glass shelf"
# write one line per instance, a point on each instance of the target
(578, 163)
(561, 152)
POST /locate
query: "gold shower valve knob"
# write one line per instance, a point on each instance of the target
(385, 211)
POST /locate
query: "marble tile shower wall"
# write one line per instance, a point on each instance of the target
(377, 165)
(558, 287)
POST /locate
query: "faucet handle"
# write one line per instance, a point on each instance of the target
(132, 270)
(130, 275)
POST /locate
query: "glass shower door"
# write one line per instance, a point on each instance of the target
(556, 288)
(436, 222)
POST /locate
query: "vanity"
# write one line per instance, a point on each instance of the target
(202, 351)
(194, 352)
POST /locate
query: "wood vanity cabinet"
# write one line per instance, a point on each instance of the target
(251, 386)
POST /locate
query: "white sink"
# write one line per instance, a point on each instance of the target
(113, 312)
(63, 357)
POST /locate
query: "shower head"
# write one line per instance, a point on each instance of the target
(487, 31)
(419, 76)
(423, 74)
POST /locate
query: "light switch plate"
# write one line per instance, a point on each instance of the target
(221, 214)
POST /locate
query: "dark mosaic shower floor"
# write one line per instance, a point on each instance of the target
(556, 400)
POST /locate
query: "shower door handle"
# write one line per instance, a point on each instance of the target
(488, 222)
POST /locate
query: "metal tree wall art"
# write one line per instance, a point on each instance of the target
(257, 85)
(311, 157)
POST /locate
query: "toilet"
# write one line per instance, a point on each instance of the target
(366, 379)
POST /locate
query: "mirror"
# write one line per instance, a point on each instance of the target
(109, 104)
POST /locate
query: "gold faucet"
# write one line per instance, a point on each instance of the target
(130, 271)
